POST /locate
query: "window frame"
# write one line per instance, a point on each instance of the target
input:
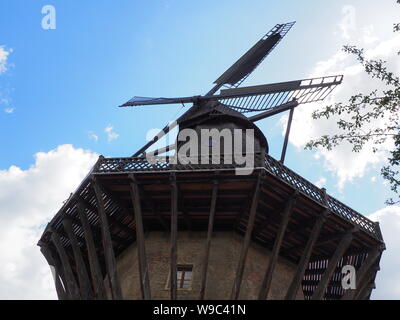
(181, 280)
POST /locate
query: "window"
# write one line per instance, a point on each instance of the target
(184, 276)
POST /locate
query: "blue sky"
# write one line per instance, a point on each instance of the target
(64, 85)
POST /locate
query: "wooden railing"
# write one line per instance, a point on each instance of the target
(311, 190)
(274, 167)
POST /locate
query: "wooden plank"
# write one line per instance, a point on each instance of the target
(143, 267)
(95, 270)
(367, 284)
(109, 256)
(362, 272)
(72, 287)
(174, 230)
(208, 241)
(344, 243)
(83, 277)
(246, 203)
(266, 284)
(112, 222)
(321, 241)
(302, 266)
(365, 292)
(61, 293)
(303, 226)
(246, 243)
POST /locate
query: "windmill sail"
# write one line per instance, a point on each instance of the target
(265, 97)
(242, 68)
(143, 101)
(258, 98)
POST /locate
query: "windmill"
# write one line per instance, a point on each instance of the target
(270, 234)
(265, 100)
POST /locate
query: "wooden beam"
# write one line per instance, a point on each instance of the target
(53, 252)
(285, 142)
(97, 229)
(268, 220)
(308, 223)
(160, 218)
(260, 228)
(302, 266)
(112, 221)
(72, 287)
(243, 211)
(266, 284)
(321, 241)
(83, 277)
(116, 200)
(366, 291)
(208, 241)
(174, 230)
(150, 202)
(95, 270)
(111, 264)
(143, 267)
(366, 286)
(362, 272)
(61, 293)
(183, 210)
(246, 243)
(344, 243)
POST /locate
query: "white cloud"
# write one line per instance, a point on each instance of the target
(28, 200)
(343, 163)
(93, 136)
(388, 279)
(3, 58)
(111, 135)
(9, 110)
(321, 182)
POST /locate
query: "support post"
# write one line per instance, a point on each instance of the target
(111, 264)
(301, 267)
(362, 272)
(285, 143)
(266, 284)
(243, 254)
(344, 243)
(143, 267)
(366, 291)
(72, 287)
(95, 270)
(208, 241)
(174, 230)
(83, 277)
(61, 292)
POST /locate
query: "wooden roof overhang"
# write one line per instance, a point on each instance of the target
(232, 210)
